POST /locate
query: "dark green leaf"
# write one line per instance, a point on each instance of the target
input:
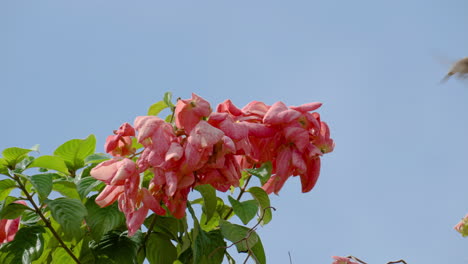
(102, 220)
(209, 200)
(156, 108)
(160, 250)
(5, 188)
(262, 198)
(66, 188)
(169, 226)
(25, 248)
(51, 163)
(12, 210)
(116, 247)
(69, 213)
(244, 210)
(258, 253)
(208, 247)
(241, 236)
(74, 151)
(263, 173)
(43, 184)
(29, 218)
(87, 185)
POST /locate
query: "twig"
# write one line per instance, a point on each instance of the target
(391, 262)
(46, 221)
(290, 259)
(247, 236)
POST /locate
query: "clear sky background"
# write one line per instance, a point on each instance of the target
(397, 181)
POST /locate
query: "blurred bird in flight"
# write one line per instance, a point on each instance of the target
(459, 69)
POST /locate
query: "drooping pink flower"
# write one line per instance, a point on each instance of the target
(190, 111)
(115, 171)
(343, 260)
(120, 144)
(9, 227)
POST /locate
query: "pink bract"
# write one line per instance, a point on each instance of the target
(9, 227)
(343, 260)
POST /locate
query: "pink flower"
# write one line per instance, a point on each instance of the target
(189, 112)
(9, 227)
(115, 171)
(343, 260)
(120, 144)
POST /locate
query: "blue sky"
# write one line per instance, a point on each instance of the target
(395, 184)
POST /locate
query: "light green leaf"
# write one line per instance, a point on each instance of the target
(74, 151)
(263, 173)
(244, 210)
(160, 250)
(5, 188)
(69, 213)
(87, 185)
(60, 256)
(156, 108)
(243, 237)
(25, 248)
(209, 200)
(262, 198)
(102, 220)
(43, 184)
(13, 156)
(66, 188)
(168, 99)
(51, 163)
(96, 158)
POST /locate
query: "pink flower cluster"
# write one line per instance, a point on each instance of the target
(205, 147)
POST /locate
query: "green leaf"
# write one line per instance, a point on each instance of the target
(13, 156)
(29, 218)
(5, 188)
(241, 236)
(264, 201)
(87, 185)
(209, 225)
(258, 252)
(169, 226)
(102, 220)
(12, 210)
(24, 163)
(160, 250)
(116, 247)
(74, 152)
(156, 108)
(244, 210)
(208, 247)
(263, 173)
(96, 158)
(209, 199)
(66, 188)
(51, 163)
(69, 213)
(25, 248)
(43, 184)
(168, 99)
(60, 255)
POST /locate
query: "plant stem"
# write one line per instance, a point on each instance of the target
(242, 191)
(46, 221)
